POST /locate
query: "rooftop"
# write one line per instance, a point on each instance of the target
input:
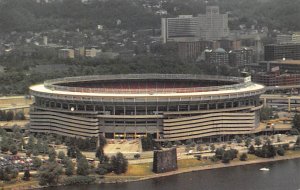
(281, 61)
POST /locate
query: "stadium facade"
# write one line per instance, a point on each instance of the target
(168, 106)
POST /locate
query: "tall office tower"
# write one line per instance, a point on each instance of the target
(211, 26)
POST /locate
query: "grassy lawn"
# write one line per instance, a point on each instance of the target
(19, 185)
(135, 170)
(193, 162)
(292, 153)
(251, 157)
(139, 169)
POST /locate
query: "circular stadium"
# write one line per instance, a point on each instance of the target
(170, 107)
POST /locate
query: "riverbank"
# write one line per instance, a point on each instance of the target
(123, 178)
(183, 168)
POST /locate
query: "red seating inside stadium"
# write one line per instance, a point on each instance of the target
(147, 86)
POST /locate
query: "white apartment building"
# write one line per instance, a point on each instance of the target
(211, 26)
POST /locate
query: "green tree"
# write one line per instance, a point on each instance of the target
(72, 151)
(251, 150)
(52, 154)
(4, 144)
(298, 141)
(233, 153)
(238, 139)
(219, 153)
(45, 147)
(147, 143)
(61, 155)
(257, 141)
(26, 176)
(69, 167)
(39, 145)
(13, 149)
(35, 151)
(100, 154)
(226, 157)
(49, 173)
(83, 166)
(280, 151)
(119, 163)
(37, 162)
(31, 143)
(9, 115)
(247, 142)
(2, 115)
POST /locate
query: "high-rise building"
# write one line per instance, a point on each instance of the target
(211, 26)
(217, 57)
(241, 57)
(184, 26)
(282, 51)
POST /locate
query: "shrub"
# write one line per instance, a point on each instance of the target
(285, 146)
(189, 141)
(193, 144)
(177, 143)
(169, 144)
(198, 157)
(214, 159)
(294, 131)
(103, 169)
(137, 156)
(280, 151)
(199, 148)
(243, 157)
(257, 141)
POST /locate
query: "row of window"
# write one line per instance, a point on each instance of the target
(144, 109)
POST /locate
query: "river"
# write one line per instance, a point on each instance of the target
(283, 175)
